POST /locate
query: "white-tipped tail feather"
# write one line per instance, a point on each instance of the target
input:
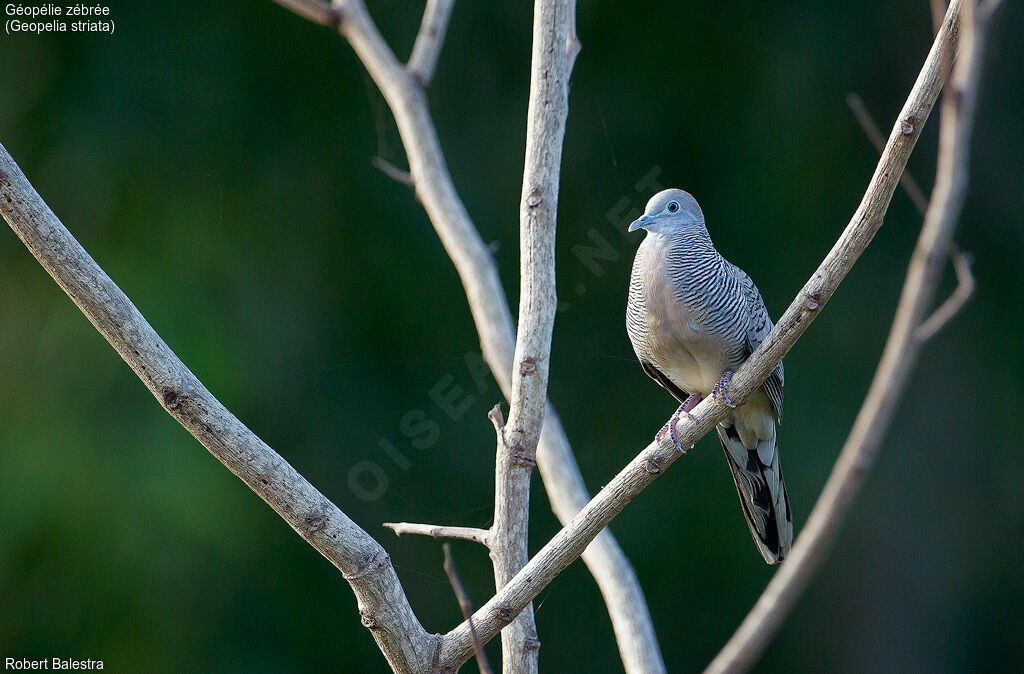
(757, 475)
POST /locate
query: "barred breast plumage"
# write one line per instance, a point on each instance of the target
(692, 317)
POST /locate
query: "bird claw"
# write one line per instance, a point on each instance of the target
(670, 427)
(720, 389)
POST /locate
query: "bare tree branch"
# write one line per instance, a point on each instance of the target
(563, 482)
(482, 536)
(383, 606)
(874, 134)
(393, 172)
(429, 40)
(948, 310)
(517, 441)
(898, 359)
(466, 606)
(568, 543)
(318, 12)
(961, 261)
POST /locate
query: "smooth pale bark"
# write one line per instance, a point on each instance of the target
(538, 207)
(569, 543)
(898, 359)
(383, 607)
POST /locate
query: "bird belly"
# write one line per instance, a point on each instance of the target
(689, 356)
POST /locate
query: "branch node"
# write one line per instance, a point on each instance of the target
(313, 523)
(653, 465)
(368, 621)
(907, 126)
(497, 419)
(528, 366)
(172, 397)
(811, 301)
(522, 458)
(535, 198)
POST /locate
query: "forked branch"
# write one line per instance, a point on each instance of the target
(429, 177)
(568, 543)
(893, 373)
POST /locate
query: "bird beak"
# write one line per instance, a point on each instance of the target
(641, 222)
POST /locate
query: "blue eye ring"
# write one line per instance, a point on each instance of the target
(673, 207)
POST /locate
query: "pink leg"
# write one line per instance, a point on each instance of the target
(720, 392)
(689, 404)
(670, 427)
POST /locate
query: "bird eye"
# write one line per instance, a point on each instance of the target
(673, 207)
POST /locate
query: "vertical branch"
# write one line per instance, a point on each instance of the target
(894, 370)
(429, 176)
(517, 446)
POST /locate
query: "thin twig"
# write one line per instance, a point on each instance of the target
(938, 8)
(393, 172)
(965, 285)
(318, 12)
(429, 40)
(466, 606)
(874, 134)
(961, 261)
(900, 354)
(383, 606)
(481, 536)
(488, 303)
(987, 8)
(568, 543)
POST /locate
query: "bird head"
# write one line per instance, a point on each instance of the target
(669, 211)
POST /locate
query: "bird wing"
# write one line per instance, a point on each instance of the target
(666, 383)
(760, 324)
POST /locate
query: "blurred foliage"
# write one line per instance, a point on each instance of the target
(215, 159)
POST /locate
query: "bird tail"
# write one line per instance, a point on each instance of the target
(757, 475)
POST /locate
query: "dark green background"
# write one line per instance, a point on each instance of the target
(215, 159)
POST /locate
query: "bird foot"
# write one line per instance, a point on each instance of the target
(720, 388)
(688, 405)
(670, 427)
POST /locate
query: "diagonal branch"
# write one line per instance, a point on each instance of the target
(948, 310)
(383, 606)
(517, 441)
(488, 304)
(467, 608)
(568, 543)
(874, 134)
(961, 261)
(900, 354)
(314, 10)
